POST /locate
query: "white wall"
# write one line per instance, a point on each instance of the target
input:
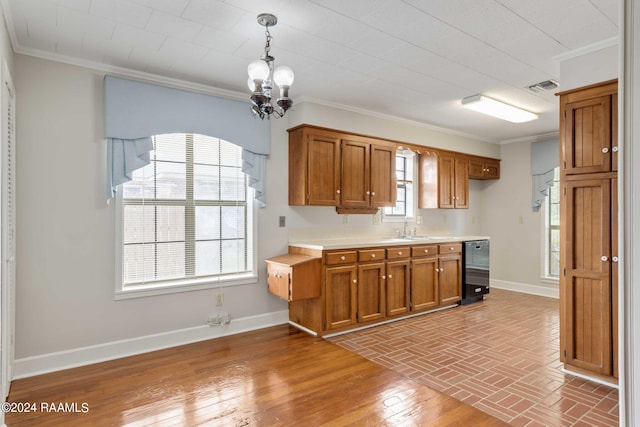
(6, 52)
(514, 227)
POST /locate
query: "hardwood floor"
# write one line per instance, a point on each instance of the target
(276, 376)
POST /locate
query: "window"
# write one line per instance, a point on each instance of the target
(405, 203)
(186, 218)
(552, 229)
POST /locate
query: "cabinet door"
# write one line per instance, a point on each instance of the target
(587, 275)
(397, 292)
(461, 184)
(371, 295)
(476, 168)
(279, 280)
(424, 283)
(492, 170)
(340, 293)
(428, 180)
(446, 181)
(450, 279)
(323, 181)
(383, 176)
(355, 185)
(586, 146)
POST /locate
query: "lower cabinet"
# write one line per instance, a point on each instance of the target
(365, 286)
(371, 291)
(398, 287)
(340, 296)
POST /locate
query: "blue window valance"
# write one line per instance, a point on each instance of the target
(135, 111)
(545, 157)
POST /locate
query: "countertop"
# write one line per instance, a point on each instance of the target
(363, 242)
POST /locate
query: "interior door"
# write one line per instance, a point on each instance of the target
(7, 230)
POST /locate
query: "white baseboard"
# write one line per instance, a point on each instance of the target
(36, 365)
(526, 288)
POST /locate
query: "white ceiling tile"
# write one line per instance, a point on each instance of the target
(172, 26)
(121, 11)
(138, 38)
(80, 22)
(220, 41)
(81, 5)
(174, 7)
(182, 51)
(213, 13)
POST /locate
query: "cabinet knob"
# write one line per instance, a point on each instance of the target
(605, 150)
(452, 248)
(399, 252)
(614, 258)
(390, 276)
(604, 258)
(373, 193)
(373, 255)
(426, 251)
(384, 277)
(355, 281)
(367, 192)
(338, 191)
(614, 149)
(343, 258)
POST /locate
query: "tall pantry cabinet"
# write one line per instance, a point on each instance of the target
(588, 229)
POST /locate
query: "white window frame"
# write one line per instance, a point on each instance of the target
(123, 292)
(411, 216)
(545, 276)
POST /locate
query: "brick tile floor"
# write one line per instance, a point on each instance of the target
(499, 355)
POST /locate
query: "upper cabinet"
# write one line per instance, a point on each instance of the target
(357, 173)
(484, 168)
(331, 168)
(589, 144)
(443, 180)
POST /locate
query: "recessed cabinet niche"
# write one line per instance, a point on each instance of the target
(332, 168)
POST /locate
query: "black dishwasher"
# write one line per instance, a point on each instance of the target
(475, 271)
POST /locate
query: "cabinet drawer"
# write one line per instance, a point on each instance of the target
(398, 253)
(426, 250)
(450, 248)
(371, 255)
(344, 257)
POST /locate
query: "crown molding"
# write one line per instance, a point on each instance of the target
(603, 44)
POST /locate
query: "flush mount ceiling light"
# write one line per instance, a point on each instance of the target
(498, 109)
(262, 76)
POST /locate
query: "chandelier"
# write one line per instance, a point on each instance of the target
(262, 76)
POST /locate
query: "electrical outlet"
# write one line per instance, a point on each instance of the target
(282, 221)
(419, 219)
(345, 219)
(219, 299)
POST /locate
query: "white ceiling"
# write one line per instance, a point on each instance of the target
(412, 59)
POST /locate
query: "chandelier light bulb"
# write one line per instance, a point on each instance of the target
(251, 84)
(283, 76)
(258, 70)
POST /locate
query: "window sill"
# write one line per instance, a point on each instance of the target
(141, 291)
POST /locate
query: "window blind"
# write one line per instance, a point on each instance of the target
(185, 214)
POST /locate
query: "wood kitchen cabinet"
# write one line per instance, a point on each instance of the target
(364, 286)
(451, 175)
(294, 277)
(450, 273)
(398, 281)
(483, 168)
(332, 168)
(424, 277)
(588, 224)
